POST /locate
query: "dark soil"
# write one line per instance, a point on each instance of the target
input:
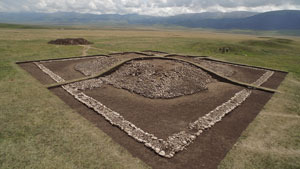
(65, 69)
(240, 73)
(70, 41)
(275, 80)
(95, 66)
(37, 73)
(126, 55)
(159, 78)
(206, 152)
(164, 117)
(155, 52)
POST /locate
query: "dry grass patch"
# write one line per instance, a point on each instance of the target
(273, 136)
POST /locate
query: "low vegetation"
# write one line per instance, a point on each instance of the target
(36, 134)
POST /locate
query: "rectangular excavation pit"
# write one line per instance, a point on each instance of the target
(207, 150)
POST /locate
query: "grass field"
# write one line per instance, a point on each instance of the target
(37, 130)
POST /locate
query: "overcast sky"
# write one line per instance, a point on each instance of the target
(147, 7)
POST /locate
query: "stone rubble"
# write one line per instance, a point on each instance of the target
(54, 76)
(263, 78)
(93, 67)
(175, 143)
(179, 141)
(148, 80)
(70, 41)
(88, 84)
(69, 59)
(222, 69)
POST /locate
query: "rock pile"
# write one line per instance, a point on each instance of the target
(70, 41)
(219, 68)
(93, 67)
(174, 143)
(152, 81)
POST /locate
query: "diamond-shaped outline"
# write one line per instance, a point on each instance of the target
(176, 142)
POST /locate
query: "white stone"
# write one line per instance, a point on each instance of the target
(162, 153)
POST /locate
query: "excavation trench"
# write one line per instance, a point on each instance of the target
(165, 117)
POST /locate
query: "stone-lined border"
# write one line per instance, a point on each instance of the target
(208, 58)
(204, 58)
(80, 57)
(72, 59)
(188, 56)
(125, 53)
(211, 72)
(63, 59)
(175, 143)
(243, 65)
(155, 51)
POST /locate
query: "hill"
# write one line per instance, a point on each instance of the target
(18, 26)
(275, 20)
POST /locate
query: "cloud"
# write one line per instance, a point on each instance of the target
(146, 7)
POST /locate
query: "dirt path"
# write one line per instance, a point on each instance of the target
(112, 51)
(85, 49)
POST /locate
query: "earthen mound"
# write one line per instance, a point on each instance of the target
(70, 41)
(156, 79)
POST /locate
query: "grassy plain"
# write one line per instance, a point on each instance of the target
(37, 130)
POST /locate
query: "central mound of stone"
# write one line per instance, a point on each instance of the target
(156, 79)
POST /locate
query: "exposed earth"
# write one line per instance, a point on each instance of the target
(70, 41)
(169, 113)
(150, 78)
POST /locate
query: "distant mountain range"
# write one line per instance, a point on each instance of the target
(275, 20)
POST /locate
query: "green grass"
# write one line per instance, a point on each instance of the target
(18, 26)
(273, 139)
(37, 130)
(264, 33)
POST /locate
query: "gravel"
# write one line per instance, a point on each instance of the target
(220, 68)
(93, 67)
(156, 79)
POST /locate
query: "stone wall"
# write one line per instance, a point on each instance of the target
(174, 143)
